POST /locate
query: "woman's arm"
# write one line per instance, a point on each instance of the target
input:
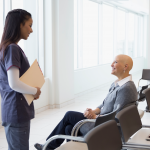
(97, 111)
(16, 84)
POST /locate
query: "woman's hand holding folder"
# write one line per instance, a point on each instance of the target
(36, 96)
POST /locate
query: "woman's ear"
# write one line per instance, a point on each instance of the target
(126, 66)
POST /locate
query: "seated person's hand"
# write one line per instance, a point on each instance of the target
(89, 114)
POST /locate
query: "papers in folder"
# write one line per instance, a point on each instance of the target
(32, 77)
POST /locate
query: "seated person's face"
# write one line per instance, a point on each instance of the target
(117, 66)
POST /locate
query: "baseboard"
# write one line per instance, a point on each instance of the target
(54, 106)
(64, 104)
(39, 110)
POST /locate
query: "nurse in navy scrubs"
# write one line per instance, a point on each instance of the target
(16, 113)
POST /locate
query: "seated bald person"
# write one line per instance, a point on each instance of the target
(122, 91)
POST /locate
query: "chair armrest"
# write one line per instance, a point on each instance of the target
(80, 139)
(79, 123)
(75, 127)
(82, 123)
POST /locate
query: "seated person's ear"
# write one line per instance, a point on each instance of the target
(126, 66)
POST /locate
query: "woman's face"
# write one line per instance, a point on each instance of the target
(117, 67)
(26, 29)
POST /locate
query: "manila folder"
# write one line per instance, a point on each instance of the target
(32, 77)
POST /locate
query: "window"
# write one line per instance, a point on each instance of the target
(131, 34)
(103, 31)
(40, 33)
(136, 34)
(90, 34)
(75, 34)
(141, 36)
(107, 34)
(120, 46)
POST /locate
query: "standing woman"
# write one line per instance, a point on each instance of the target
(16, 113)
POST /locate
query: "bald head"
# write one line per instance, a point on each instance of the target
(126, 60)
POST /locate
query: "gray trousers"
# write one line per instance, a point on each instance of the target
(17, 135)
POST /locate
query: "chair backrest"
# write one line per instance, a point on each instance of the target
(106, 117)
(135, 103)
(147, 96)
(129, 121)
(146, 74)
(141, 96)
(105, 137)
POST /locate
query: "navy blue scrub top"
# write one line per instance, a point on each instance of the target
(13, 104)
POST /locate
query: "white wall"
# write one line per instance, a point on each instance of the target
(48, 47)
(95, 77)
(59, 54)
(63, 50)
(86, 79)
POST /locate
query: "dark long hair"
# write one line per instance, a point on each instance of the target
(11, 32)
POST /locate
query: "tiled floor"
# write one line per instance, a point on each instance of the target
(45, 122)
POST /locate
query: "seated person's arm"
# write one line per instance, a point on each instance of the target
(96, 111)
(125, 96)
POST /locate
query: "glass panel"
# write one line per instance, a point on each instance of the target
(136, 35)
(141, 32)
(131, 39)
(120, 47)
(18, 4)
(90, 34)
(75, 34)
(1, 18)
(108, 34)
